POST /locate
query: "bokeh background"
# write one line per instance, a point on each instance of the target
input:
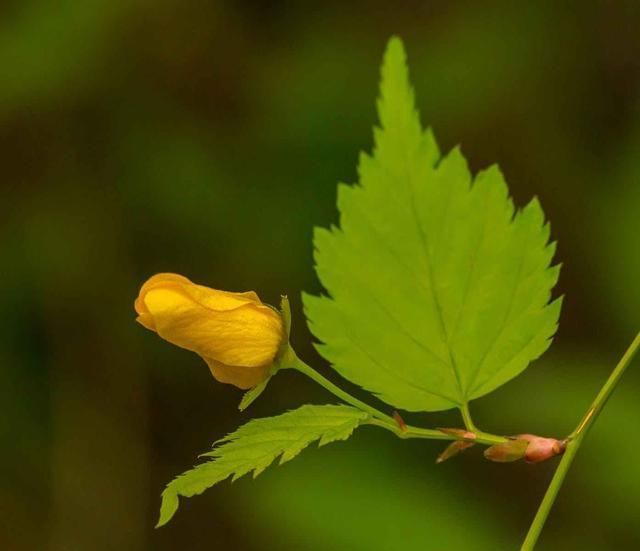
(207, 138)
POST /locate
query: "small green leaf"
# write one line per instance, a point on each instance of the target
(438, 288)
(251, 395)
(254, 446)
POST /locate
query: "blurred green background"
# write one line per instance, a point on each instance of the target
(207, 138)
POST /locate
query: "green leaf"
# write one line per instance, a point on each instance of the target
(254, 446)
(439, 289)
(252, 395)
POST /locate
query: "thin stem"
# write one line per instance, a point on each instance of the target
(481, 436)
(379, 418)
(299, 365)
(409, 431)
(466, 417)
(573, 444)
(607, 389)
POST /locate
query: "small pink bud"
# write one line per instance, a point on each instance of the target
(541, 449)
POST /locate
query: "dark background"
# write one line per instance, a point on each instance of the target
(207, 138)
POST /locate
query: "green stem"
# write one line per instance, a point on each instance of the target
(299, 365)
(573, 444)
(466, 417)
(377, 417)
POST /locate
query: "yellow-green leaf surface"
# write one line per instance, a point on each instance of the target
(254, 446)
(439, 289)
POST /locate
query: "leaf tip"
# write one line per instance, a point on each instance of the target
(395, 47)
(168, 508)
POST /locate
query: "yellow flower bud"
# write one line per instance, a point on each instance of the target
(235, 333)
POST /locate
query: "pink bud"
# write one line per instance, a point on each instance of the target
(541, 449)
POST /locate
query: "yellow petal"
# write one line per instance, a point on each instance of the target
(247, 335)
(236, 334)
(242, 377)
(157, 280)
(219, 301)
